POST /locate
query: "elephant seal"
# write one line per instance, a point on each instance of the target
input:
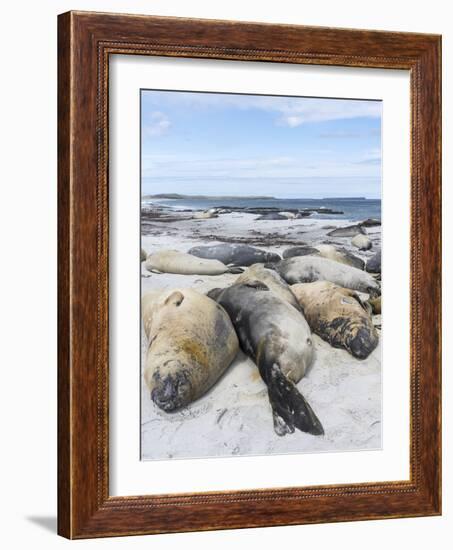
(362, 242)
(370, 222)
(340, 255)
(278, 339)
(373, 265)
(191, 344)
(272, 216)
(272, 280)
(206, 214)
(349, 231)
(338, 316)
(173, 261)
(143, 255)
(328, 251)
(302, 250)
(307, 269)
(234, 254)
(288, 215)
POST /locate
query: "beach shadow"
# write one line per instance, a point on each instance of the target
(49, 523)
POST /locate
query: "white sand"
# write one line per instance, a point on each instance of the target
(234, 417)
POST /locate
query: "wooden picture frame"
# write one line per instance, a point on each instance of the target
(85, 42)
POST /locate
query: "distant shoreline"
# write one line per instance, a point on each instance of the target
(178, 196)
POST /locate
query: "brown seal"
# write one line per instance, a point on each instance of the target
(191, 344)
(338, 316)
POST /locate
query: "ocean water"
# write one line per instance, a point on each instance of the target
(353, 208)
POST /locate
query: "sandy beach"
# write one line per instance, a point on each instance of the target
(234, 417)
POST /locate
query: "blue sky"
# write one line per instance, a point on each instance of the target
(231, 144)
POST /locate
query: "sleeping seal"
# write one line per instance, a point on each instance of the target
(328, 251)
(340, 255)
(302, 250)
(349, 231)
(271, 216)
(338, 316)
(272, 280)
(173, 261)
(278, 339)
(234, 254)
(288, 215)
(191, 344)
(362, 242)
(306, 269)
(370, 222)
(206, 214)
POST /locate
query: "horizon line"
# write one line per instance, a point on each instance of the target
(200, 196)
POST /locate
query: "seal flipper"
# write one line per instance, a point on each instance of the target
(280, 426)
(289, 406)
(235, 270)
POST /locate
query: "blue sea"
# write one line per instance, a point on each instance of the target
(352, 208)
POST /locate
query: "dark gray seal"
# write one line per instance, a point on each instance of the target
(272, 216)
(373, 265)
(272, 280)
(303, 250)
(234, 254)
(278, 339)
(349, 231)
(370, 222)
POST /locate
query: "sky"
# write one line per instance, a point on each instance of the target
(232, 144)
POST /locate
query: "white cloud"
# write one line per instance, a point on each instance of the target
(156, 124)
(316, 110)
(289, 111)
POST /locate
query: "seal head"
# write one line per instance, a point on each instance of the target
(172, 390)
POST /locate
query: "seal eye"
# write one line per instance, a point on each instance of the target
(309, 342)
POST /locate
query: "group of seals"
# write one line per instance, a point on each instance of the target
(270, 312)
(307, 269)
(337, 314)
(191, 344)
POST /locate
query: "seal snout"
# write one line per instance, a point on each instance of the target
(172, 392)
(363, 343)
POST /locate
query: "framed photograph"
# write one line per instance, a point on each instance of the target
(236, 203)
